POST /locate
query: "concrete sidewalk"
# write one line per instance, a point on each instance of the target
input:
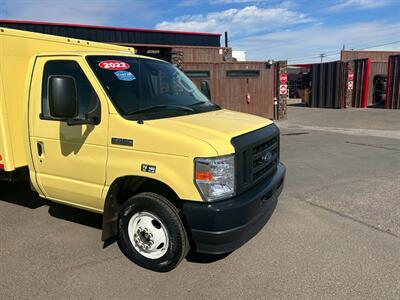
(352, 118)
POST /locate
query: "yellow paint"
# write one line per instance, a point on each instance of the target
(16, 49)
(80, 163)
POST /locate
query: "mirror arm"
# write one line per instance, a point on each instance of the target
(88, 121)
(91, 118)
(80, 121)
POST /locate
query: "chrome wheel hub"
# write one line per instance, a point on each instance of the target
(143, 238)
(148, 235)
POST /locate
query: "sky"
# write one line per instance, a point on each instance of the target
(297, 31)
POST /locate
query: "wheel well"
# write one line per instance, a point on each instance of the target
(133, 185)
(123, 189)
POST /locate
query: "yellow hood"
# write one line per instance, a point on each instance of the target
(217, 128)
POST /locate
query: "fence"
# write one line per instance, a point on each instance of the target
(328, 86)
(361, 82)
(393, 83)
(249, 87)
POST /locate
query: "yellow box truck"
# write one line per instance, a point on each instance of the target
(97, 127)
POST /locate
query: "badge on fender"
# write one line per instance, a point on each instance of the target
(148, 168)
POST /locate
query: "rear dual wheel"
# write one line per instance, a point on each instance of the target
(151, 233)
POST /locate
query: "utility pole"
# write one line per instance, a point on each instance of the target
(341, 52)
(322, 55)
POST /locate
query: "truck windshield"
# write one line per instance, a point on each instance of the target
(144, 89)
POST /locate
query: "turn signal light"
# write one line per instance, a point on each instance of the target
(204, 176)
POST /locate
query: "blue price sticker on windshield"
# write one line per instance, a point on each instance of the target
(125, 75)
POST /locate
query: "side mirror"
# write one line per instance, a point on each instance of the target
(63, 102)
(205, 89)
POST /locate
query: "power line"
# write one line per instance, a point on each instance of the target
(381, 45)
(375, 42)
(338, 52)
(313, 56)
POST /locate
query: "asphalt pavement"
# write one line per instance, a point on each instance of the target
(335, 232)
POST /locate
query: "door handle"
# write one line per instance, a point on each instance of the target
(40, 149)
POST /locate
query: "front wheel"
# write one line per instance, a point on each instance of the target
(151, 233)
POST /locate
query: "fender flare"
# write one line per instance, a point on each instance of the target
(113, 204)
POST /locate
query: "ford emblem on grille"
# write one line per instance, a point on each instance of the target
(267, 157)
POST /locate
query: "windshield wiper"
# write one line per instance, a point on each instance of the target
(157, 107)
(197, 103)
(204, 102)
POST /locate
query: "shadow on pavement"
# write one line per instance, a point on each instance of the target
(75, 215)
(380, 105)
(19, 193)
(298, 104)
(202, 258)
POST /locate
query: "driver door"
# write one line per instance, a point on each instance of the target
(69, 161)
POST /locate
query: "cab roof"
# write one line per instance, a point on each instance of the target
(95, 53)
(66, 40)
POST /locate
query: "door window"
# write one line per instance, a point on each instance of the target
(87, 97)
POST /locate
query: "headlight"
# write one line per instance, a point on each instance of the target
(215, 177)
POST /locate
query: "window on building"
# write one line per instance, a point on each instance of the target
(243, 73)
(198, 74)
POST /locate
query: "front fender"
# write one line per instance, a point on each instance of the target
(174, 171)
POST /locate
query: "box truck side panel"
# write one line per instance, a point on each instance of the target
(6, 161)
(18, 47)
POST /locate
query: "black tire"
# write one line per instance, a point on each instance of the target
(165, 211)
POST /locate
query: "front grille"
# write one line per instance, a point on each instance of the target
(257, 156)
(264, 157)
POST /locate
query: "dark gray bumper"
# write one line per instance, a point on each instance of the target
(224, 226)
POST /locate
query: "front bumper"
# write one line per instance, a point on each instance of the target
(224, 226)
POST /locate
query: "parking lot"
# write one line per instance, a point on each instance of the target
(334, 234)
